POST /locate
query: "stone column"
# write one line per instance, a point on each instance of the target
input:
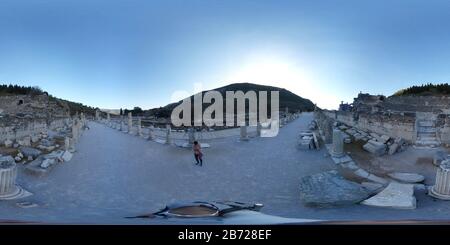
(244, 135)
(66, 143)
(139, 127)
(130, 122)
(168, 134)
(337, 149)
(8, 175)
(441, 188)
(327, 131)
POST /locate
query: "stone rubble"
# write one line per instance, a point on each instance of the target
(374, 143)
(395, 195)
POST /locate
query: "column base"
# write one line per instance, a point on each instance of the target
(16, 193)
(434, 194)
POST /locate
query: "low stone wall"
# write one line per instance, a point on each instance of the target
(20, 128)
(393, 125)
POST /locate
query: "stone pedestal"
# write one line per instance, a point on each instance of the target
(130, 122)
(75, 132)
(441, 188)
(337, 149)
(139, 127)
(328, 131)
(244, 135)
(168, 134)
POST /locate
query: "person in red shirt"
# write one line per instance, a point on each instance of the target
(198, 153)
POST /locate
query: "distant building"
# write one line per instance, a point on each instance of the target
(345, 107)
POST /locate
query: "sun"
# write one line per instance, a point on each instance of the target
(285, 73)
(266, 71)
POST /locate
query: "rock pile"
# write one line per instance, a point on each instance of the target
(307, 141)
(375, 143)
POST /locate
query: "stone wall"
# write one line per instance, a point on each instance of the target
(393, 125)
(23, 128)
(26, 115)
(417, 119)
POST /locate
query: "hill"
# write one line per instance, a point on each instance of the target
(287, 99)
(425, 90)
(12, 97)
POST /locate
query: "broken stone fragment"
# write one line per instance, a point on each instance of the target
(47, 162)
(26, 141)
(374, 135)
(8, 143)
(384, 139)
(375, 147)
(407, 177)
(34, 138)
(393, 148)
(30, 151)
(47, 142)
(330, 189)
(67, 156)
(395, 195)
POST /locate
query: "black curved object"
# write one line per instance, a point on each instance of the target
(200, 209)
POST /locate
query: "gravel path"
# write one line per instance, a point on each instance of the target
(114, 174)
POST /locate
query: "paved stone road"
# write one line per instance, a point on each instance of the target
(113, 175)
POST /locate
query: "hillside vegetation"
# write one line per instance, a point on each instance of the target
(425, 90)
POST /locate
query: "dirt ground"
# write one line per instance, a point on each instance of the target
(412, 160)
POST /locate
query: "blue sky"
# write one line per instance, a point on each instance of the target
(114, 54)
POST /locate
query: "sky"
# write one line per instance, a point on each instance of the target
(120, 54)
